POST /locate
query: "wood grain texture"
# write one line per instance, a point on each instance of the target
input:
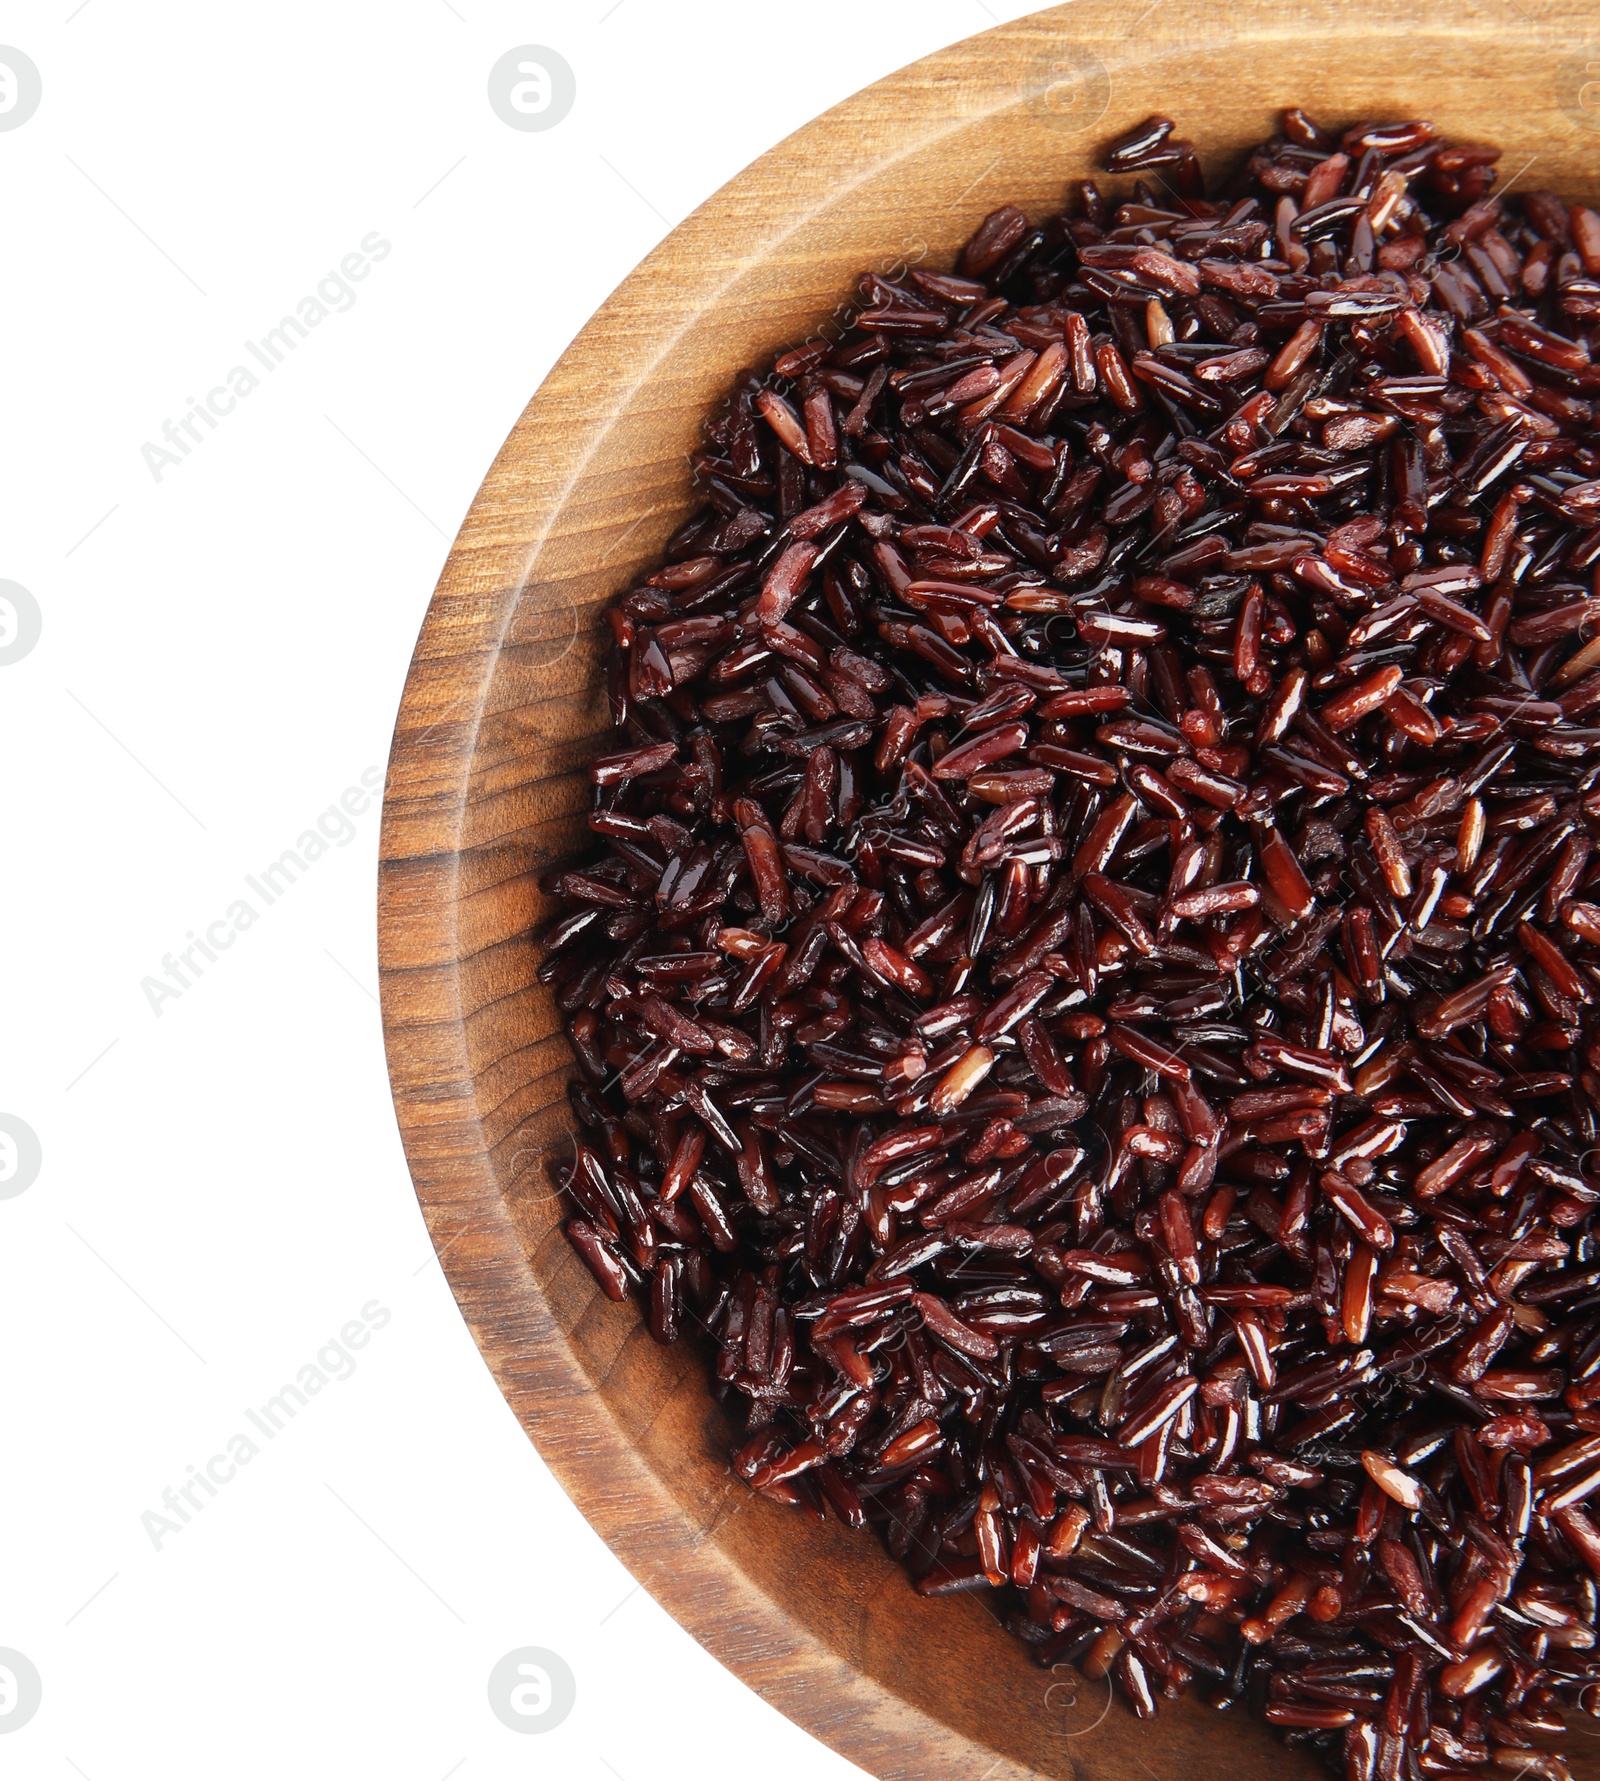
(503, 707)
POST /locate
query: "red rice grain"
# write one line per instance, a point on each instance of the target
(1089, 995)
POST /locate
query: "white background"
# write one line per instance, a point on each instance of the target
(222, 653)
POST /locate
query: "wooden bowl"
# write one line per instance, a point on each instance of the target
(503, 708)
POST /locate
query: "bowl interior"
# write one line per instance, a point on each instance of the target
(504, 707)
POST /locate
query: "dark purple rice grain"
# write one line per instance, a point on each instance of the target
(1089, 997)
